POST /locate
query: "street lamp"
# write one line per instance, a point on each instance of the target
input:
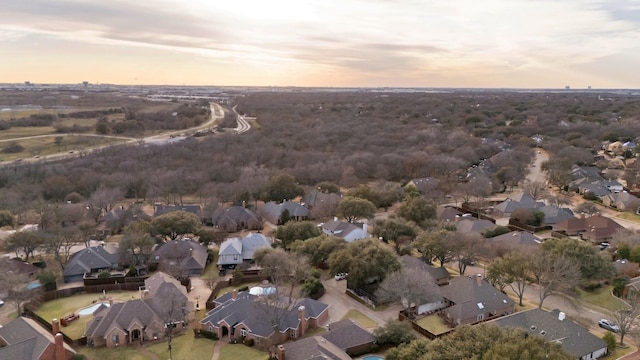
(197, 303)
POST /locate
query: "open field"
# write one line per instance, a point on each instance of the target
(42, 146)
(185, 347)
(238, 351)
(121, 353)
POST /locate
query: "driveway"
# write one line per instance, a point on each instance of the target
(340, 303)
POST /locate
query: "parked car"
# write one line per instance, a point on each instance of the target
(609, 325)
(1, 303)
(341, 276)
(604, 245)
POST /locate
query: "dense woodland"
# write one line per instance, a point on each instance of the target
(345, 138)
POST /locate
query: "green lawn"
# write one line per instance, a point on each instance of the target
(121, 353)
(211, 272)
(433, 324)
(363, 319)
(629, 216)
(184, 347)
(57, 309)
(602, 298)
(241, 352)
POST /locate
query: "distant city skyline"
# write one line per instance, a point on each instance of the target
(348, 43)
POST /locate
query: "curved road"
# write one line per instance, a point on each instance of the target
(217, 113)
(243, 125)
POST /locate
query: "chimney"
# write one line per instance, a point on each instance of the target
(280, 352)
(55, 325)
(582, 215)
(458, 217)
(234, 294)
(110, 302)
(59, 344)
(303, 321)
(479, 279)
(561, 316)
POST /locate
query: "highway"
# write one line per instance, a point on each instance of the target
(243, 125)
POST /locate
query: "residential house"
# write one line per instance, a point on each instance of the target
(612, 185)
(554, 214)
(474, 300)
(595, 228)
(426, 186)
(470, 224)
(349, 336)
(554, 327)
(159, 209)
(235, 251)
(590, 173)
(311, 348)
(321, 204)
(24, 339)
(272, 211)
(518, 201)
(439, 274)
(515, 239)
(164, 303)
(186, 256)
(90, 261)
(595, 188)
(236, 218)
(622, 201)
(632, 288)
(73, 214)
(345, 230)
(18, 266)
(447, 213)
(246, 316)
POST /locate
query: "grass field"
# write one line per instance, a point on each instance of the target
(241, 352)
(601, 298)
(363, 319)
(46, 145)
(121, 353)
(184, 347)
(629, 216)
(433, 324)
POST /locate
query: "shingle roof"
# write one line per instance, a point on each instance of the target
(470, 226)
(245, 247)
(574, 339)
(234, 215)
(447, 213)
(246, 310)
(348, 333)
(26, 340)
(554, 214)
(164, 209)
(272, 211)
(342, 228)
(466, 294)
(96, 257)
(314, 348)
(438, 273)
(516, 237)
(189, 254)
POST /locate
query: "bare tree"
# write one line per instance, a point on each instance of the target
(413, 286)
(59, 241)
(14, 285)
(466, 248)
(173, 309)
(536, 189)
(103, 200)
(626, 318)
(284, 268)
(513, 270)
(553, 274)
(588, 208)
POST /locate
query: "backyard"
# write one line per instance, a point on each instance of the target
(433, 324)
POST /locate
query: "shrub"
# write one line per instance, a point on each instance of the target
(394, 333)
(244, 288)
(610, 340)
(104, 274)
(249, 342)
(618, 285)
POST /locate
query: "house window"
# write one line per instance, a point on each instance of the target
(292, 333)
(116, 339)
(480, 317)
(243, 332)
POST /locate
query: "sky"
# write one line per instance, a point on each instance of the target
(337, 43)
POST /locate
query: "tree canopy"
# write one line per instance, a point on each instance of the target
(365, 260)
(353, 209)
(176, 224)
(281, 187)
(319, 249)
(294, 230)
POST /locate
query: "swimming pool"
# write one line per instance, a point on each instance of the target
(372, 357)
(89, 310)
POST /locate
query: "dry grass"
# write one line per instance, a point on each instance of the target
(363, 319)
(433, 324)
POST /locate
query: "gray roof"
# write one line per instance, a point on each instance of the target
(518, 201)
(347, 334)
(438, 273)
(516, 238)
(247, 310)
(165, 286)
(234, 215)
(589, 172)
(314, 348)
(244, 247)
(471, 225)
(164, 209)
(89, 259)
(341, 228)
(271, 210)
(595, 188)
(447, 213)
(187, 254)
(26, 340)
(466, 294)
(122, 316)
(316, 198)
(574, 339)
(554, 214)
